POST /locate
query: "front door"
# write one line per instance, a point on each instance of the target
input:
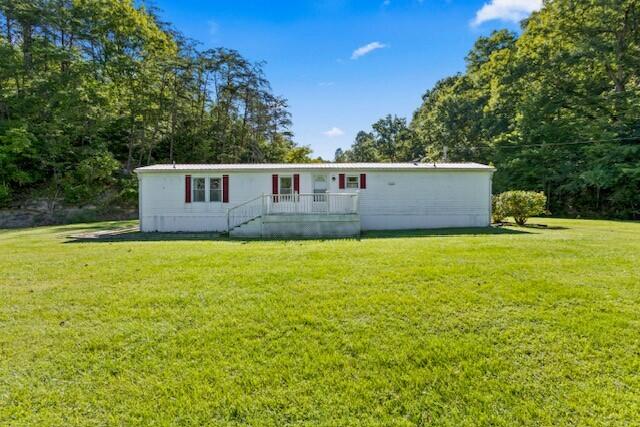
(285, 201)
(320, 197)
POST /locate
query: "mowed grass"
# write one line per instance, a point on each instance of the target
(520, 326)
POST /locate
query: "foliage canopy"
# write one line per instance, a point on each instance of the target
(555, 109)
(91, 89)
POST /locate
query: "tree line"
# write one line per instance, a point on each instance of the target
(91, 89)
(555, 109)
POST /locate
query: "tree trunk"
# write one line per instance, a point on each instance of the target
(27, 32)
(130, 149)
(9, 36)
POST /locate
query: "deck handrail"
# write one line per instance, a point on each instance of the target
(244, 212)
(296, 203)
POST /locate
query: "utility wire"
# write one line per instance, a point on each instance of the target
(554, 144)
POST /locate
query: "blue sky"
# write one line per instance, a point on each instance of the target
(344, 64)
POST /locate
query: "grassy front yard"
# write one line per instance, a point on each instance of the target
(524, 326)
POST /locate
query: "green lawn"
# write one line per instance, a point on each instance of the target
(519, 326)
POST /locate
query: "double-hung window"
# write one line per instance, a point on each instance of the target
(215, 189)
(198, 189)
(207, 189)
(353, 181)
(286, 185)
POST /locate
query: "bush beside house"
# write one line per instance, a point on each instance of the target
(518, 204)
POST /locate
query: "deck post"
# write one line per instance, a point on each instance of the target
(262, 214)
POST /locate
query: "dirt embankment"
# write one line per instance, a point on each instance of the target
(40, 212)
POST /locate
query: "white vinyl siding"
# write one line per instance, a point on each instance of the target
(393, 199)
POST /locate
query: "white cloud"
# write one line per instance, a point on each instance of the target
(334, 132)
(506, 10)
(368, 48)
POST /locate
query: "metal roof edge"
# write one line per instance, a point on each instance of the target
(249, 167)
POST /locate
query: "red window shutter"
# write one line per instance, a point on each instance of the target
(225, 188)
(296, 183)
(363, 180)
(187, 188)
(341, 181)
(274, 184)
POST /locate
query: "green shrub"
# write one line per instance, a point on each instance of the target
(498, 211)
(521, 205)
(128, 194)
(5, 194)
(91, 178)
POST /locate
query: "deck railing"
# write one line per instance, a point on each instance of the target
(292, 204)
(245, 212)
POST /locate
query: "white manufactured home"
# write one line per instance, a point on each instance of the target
(313, 199)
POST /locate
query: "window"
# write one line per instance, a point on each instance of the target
(353, 181)
(319, 184)
(320, 188)
(215, 189)
(286, 185)
(198, 189)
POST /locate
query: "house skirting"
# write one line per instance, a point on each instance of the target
(301, 226)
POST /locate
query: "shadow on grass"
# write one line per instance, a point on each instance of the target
(535, 226)
(440, 232)
(135, 235)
